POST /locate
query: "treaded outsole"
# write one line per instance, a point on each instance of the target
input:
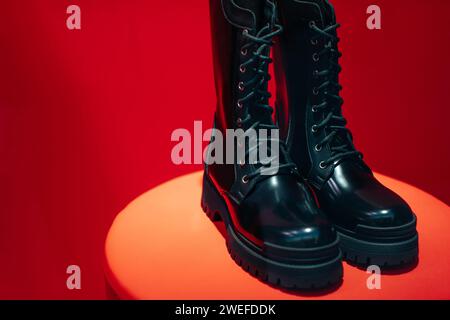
(327, 280)
(385, 255)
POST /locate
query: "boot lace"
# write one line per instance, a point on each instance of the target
(338, 137)
(259, 113)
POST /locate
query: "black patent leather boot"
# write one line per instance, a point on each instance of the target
(274, 228)
(375, 225)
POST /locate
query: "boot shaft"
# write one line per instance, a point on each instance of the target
(234, 64)
(242, 33)
(308, 101)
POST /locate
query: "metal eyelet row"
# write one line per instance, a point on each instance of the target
(242, 69)
(314, 128)
(240, 105)
(318, 148)
(241, 85)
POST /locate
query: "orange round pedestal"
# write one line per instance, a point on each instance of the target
(162, 246)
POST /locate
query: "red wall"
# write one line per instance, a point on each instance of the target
(86, 116)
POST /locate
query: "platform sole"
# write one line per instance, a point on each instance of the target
(365, 253)
(276, 273)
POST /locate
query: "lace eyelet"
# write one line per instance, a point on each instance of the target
(312, 24)
(317, 148)
(315, 57)
(244, 52)
(314, 42)
(245, 32)
(239, 122)
(242, 68)
(316, 73)
(314, 128)
(314, 109)
(315, 91)
(245, 179)
(240, 105)
(322, 165)
(241, 163)
(241, 86)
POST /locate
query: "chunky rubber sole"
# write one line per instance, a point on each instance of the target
(291, 274)
(383, 254)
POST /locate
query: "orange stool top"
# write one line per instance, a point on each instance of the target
(162, 246)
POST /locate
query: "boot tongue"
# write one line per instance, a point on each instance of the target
(342, 137)
(257, 8)
(243, 14)
(326, 10)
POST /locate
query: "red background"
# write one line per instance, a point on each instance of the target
(86, 116)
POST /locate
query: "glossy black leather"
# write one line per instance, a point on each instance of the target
(275, 210)
(294, 69)
(347, 191)
(353, 196)
(282, 211)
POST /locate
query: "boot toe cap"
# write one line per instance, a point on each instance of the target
(300, 237)
(394, 216)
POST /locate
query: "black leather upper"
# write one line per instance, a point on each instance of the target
(282, 211)
(347, 190)
(352, 195)
(275, 210)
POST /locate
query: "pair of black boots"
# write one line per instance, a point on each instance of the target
(292, 227)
